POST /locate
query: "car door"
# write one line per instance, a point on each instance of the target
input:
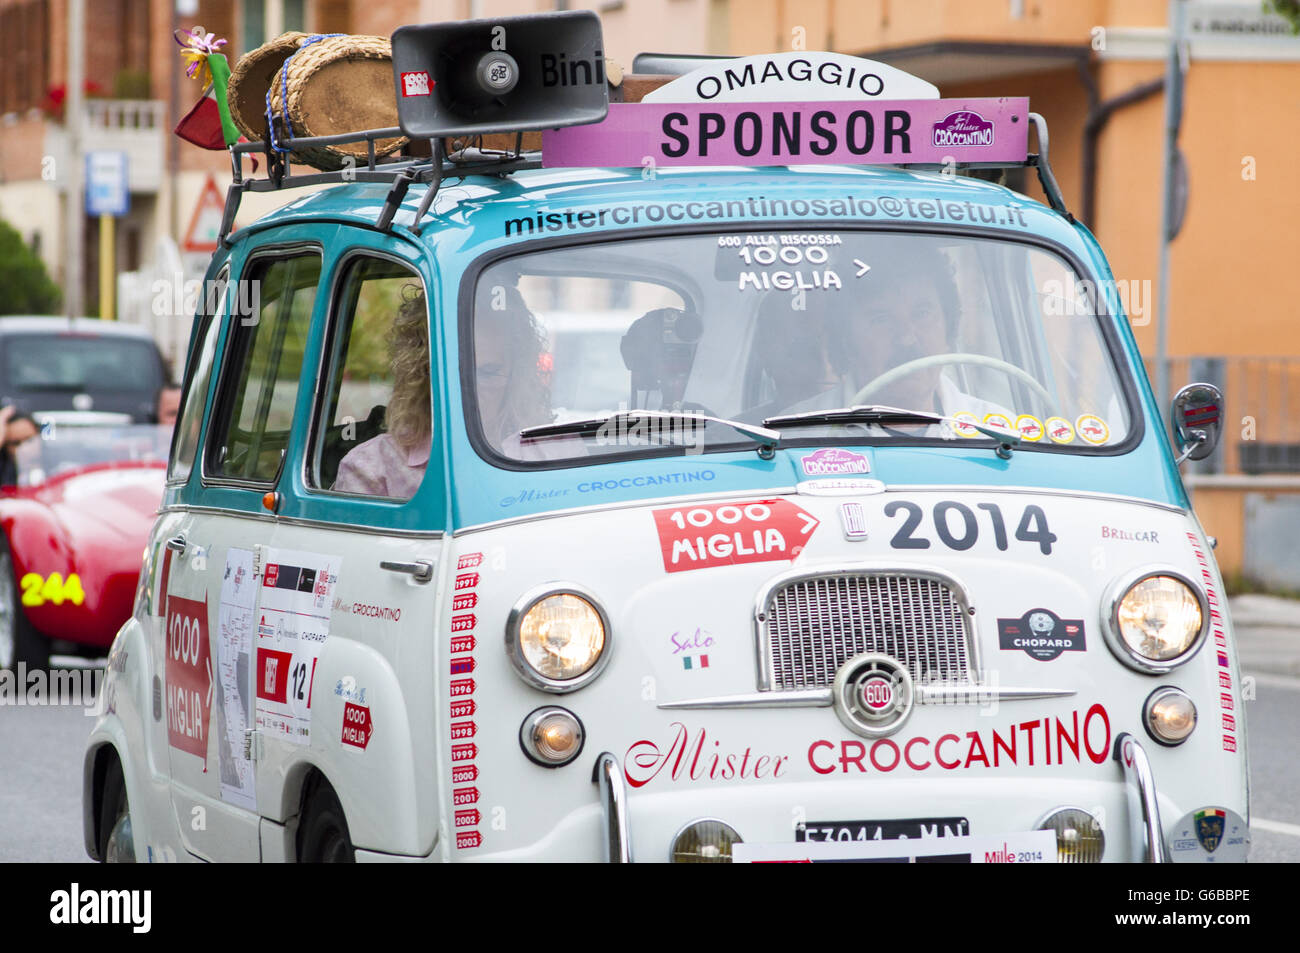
(354, 559)
(213, 573)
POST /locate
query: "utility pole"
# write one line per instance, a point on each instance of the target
(74, 218)
(1168, 206)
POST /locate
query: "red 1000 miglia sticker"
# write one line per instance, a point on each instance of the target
(727, 534)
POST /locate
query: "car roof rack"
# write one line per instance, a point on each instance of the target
(400, 173)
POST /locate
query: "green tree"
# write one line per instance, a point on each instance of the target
(25, 287)
(1288, 9)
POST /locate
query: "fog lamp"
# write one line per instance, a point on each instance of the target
(706, 841)
(1170, 715)
(551, 736)
(1079, 837)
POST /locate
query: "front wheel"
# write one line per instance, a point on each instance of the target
(116, 839)
(19, 640)
(323, 835)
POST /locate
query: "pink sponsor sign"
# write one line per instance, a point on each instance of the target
(881, 133)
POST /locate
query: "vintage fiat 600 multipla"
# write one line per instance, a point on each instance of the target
(737, 479)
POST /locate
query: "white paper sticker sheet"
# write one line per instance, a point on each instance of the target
(1021, 847)
(234, 669)
(293, 622)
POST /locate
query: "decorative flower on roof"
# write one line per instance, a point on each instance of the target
(196, 46)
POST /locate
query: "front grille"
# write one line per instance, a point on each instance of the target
(813, 626)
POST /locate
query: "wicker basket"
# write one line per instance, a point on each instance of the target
(251, 78)
(336, 85)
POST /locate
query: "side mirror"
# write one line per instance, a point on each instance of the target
(1197, 420)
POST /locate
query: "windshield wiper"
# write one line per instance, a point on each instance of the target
(879, 414)
(767, 440)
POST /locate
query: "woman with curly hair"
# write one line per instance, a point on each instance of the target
(509, 357)
(392, 464)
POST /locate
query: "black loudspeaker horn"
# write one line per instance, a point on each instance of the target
(511, 74)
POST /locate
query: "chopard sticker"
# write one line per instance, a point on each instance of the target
(1041, 634)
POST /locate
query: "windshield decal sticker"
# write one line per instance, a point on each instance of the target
(1029, 427)
(727, 534)
(834, 461)
(1092, 429)
(1041, 634)
(997, 420)
(848, 207)
(1059, 430)
(961, 424)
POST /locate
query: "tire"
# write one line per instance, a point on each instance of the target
(116, 838)
(19, 641)
(323, 833)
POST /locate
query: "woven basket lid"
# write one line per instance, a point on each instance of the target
(251, 78)
(337, 85)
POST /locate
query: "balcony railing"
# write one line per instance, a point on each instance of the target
(137, 127)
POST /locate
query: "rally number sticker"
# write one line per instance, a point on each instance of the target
(38, 589)
(958, 527)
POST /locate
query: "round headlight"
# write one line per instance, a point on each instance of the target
(1170, 716)
(551, 736)
(704, 842)
(1079, 837)
(557, 639)
(1158, 622)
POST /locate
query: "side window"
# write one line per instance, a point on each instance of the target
(374, 428)
(198, 373)
(259, 384)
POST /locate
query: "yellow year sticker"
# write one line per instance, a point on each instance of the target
(38, 589)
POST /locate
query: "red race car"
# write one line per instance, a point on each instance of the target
(74, 526)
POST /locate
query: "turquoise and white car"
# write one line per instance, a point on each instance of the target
(689, 509)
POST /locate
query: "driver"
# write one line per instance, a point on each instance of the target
(910, 311)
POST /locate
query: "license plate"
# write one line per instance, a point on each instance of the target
(911, 827)
(1023, 847)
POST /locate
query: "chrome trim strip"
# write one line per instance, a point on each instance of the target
(762, 641)
(1146, 834)
(625, 505)
(822, 697)
(525, 671)
(613, 798)
(805, 698)
(302, 521)
(1115, 593)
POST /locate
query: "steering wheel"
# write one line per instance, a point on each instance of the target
(941, 360)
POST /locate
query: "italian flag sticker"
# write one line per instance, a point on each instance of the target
(695, 661)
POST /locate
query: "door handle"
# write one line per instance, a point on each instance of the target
(177, 545)
(421, 570)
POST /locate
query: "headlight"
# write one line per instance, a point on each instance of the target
(1157, 621)
(557, 638)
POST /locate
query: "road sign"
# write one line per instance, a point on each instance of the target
(205, 224)
(107, 192)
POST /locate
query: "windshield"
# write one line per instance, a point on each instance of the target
(76, 363)
(60, 447)
(754, 325)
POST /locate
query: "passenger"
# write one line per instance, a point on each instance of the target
(512, 388)
(393, 463)
(16, 428)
